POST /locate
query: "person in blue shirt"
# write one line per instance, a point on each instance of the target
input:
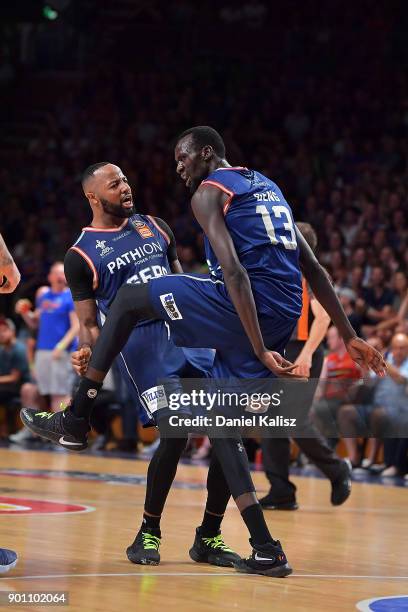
(57, 324)
(246, 309)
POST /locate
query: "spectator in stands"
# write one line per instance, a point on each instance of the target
(378, 298)
(399, 321)
(400, 286)
(57, 325)
(390, 412)
(338, 375)
(14, 370)
(354, 418)
(347, 298)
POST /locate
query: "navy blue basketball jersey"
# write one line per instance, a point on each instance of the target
(135, 252)
(262, 228)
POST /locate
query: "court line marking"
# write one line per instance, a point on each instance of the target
(85, 507)
(198, 574)
(364, 606)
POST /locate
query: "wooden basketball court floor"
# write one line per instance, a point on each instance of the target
(340, 555)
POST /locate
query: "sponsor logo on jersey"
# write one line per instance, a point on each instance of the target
(143, 253)
(155, 398)
(105, 250)
(170, 306)
(143, 229)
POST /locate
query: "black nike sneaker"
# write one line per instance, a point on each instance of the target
(267, 560)
(145, 548)
(212, 550)
(272, 502)
(341, 486)
(63, 427)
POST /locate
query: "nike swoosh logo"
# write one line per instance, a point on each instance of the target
(258, 558)
(66, 443)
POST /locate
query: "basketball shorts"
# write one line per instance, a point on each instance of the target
(200, 313)
(149, 358)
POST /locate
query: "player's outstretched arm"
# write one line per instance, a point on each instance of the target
(207, 204)
(362, 353)
(9, 273)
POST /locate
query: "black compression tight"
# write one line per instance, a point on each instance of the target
(232, 456)
(228, 471)
(218, 491)
(162, 470)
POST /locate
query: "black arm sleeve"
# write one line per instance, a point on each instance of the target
(172, 250)
(79, 276)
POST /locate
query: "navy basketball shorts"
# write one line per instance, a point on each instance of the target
(201, 314)
(149, 358)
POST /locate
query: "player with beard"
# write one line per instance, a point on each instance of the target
(121, 246)
(246, 309)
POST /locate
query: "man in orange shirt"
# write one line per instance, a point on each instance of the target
(338, 375)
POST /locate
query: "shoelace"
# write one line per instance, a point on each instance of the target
(217, 542)
(150, 542)
(45, 415)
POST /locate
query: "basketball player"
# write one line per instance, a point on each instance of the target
(122, 247)
(9, 279)
(305, 349)
(251, 300)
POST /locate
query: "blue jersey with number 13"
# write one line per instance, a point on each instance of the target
(261, 225)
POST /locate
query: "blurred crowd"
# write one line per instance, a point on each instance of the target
(319, 105)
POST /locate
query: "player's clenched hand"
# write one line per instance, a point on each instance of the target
(80, 360)
(366, 356)
(279, 365)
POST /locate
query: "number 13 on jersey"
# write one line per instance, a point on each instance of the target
(278, 212)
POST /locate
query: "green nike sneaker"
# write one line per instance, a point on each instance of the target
(145, 548)
(62, 428)
(213, 550)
